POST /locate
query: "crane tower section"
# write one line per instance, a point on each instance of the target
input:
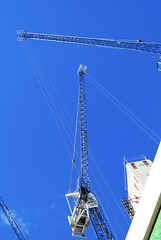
(86, 208)
(84, 181)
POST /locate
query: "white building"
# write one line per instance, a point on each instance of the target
(137, 174)
(146, 224)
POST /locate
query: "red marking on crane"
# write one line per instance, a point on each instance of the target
(136, 179)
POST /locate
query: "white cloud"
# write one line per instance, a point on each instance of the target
(4, 219)
(52, 206)
(24, 226)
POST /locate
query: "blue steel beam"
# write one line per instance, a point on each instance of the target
(83, 129)
(99, 224)
(11, 220)
(96, 214)
(150, 47)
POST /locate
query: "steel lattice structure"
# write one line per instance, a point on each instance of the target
(86, 201)
(99, 223)
(11, 220)
(150, 47)
(96, 214)
(83, 126)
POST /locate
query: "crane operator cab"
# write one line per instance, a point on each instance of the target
(79, 219)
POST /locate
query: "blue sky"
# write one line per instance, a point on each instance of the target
(35, 165)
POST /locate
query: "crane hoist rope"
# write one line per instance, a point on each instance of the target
(75, 141)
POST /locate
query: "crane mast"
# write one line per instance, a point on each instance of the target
(86, 206)
(11, 220)
(138, 45)
(85, 188)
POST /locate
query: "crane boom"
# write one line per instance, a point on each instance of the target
(11, 220)
(86, 206)
(138, 45)
(83, 127)
(95, 212)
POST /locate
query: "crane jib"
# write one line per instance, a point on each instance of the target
(150, 47)
(85, 188)
(86, 206)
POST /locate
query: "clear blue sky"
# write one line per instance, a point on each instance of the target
(35, 165)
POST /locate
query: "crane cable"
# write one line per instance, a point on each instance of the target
(42, 77)
(75, 141)
(124, 109)
(108, 202)
(31, 61)
(108, 187)
(73, 161)
(27, 53)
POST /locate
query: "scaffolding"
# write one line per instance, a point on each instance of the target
(128, 207)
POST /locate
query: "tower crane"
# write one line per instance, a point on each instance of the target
(11, 220)
(138, 45)
(86, 207)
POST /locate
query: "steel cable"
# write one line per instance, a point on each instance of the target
(50, 107)
(126, 112)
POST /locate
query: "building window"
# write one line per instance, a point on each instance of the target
(133, 165)
(146, 163)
